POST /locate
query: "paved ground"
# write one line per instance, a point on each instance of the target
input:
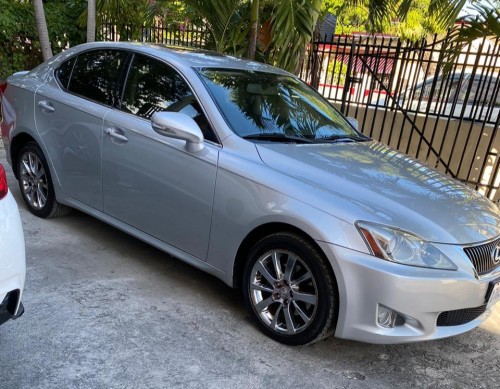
(104, 310)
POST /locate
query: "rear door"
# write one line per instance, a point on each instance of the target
(152, 182)
(69, 113)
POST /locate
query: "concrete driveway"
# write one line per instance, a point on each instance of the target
(104, 310)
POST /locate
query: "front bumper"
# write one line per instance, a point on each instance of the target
(418, 295)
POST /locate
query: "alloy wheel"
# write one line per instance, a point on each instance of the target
(33, 180)
(283, 292)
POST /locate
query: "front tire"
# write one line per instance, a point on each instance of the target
(290, 290)
(35, 183)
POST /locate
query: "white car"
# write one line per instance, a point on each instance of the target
(12, 256)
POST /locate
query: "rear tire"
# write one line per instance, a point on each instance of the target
(35, 183)
(290, 290)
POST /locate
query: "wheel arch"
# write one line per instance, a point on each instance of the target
(261, 232)
(16, 145)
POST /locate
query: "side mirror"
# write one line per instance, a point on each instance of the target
(353, 122)
(179, 126)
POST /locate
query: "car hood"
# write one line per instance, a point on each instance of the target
(372, 182)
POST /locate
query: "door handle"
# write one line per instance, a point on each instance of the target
(112, 132)
(45, 105)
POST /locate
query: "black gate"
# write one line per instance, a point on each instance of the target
(401, 95)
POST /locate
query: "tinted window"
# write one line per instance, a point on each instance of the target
(444, 90)
(153, 86)
(63, 73)
(481, 92)
(96, 74)
(256, 103)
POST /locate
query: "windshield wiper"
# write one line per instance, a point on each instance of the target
(277, 137)
(342, 138)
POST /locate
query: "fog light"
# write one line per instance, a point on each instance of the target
(386, 317)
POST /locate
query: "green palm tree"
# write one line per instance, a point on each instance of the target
(292, 26)
(227, 21)
(444, 13)
(486, 24)
(441, 13)
(292, 23)
(122, 13)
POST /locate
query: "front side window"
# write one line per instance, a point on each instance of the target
(96, 75)
(153, 86)
(260, 104)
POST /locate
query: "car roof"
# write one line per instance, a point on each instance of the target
(186, 57)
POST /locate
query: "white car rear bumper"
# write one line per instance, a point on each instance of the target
(12, 259)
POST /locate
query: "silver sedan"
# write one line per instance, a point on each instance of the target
(245, 172)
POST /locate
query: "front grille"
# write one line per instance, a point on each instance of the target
(460, 316)
(482, 257)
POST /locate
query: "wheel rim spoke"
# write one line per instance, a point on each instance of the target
(26, 167)
(290, 328)
(31, 161)
(304, 277)
(301, 313)
(262, 270)
(277, 265)
(274, 322)
(41, 198)
(264, 304)
(290, 265)
(40, 173)
(29, 195)
(261, 288)
(305, 297)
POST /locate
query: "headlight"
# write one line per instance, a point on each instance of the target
(403, 247)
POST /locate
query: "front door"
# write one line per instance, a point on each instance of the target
(150, 181)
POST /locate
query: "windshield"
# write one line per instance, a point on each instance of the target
(259, 104)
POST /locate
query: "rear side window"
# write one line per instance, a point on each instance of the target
(96, 75)
(63, 73)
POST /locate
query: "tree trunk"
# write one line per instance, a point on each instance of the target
(43, 34)
(91, 20)
(254, 23)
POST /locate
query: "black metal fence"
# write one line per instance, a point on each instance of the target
(400, 95)
(183, 35)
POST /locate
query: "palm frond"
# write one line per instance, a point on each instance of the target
(380, 12)
(292, 28)
(222, 16)
(485, 24)
(445, 12)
